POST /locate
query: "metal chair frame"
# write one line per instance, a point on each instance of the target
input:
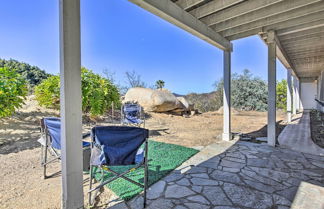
(48, 149)
(144, 164)
(140, 115)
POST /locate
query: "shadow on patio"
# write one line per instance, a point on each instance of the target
(240, 175)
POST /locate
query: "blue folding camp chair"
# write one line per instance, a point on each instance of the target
(118, 146)
(132, 114)
(51, 143)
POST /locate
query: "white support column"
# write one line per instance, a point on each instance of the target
(294, 105)
(319, 84)
(321, 91)
(271, 89)
(71, 114)
(227, 97)
(298, 106)
(289, 95)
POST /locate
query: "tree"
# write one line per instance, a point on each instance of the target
(134, 80)
(159, 84)
(98, 93)
(282, 94)
(13, 90)
(32, 74)
(247, 92)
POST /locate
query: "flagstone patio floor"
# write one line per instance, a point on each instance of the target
(240, 175)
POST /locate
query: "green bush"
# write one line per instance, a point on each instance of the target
(48, 92)
(98, 93)
(282, 95)
(13, 91)
(249, 92)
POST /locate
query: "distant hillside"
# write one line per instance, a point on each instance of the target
(33, 74)
(206, 102)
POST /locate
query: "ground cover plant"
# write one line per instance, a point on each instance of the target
(98, 93)
(13, 90)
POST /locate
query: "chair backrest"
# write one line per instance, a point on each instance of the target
(119, 144)
(132, 113)
(53, 127)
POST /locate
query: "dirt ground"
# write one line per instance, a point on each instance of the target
(22, 184)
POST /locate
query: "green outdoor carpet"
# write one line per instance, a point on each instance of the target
(163, 158)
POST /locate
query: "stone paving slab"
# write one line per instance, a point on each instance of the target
(240, 175)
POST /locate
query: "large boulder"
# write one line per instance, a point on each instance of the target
(186, 104)
(160, 100)
(141, 95)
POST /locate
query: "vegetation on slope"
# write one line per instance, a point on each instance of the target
(33, 74)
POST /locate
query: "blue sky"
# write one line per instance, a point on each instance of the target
(120, 37)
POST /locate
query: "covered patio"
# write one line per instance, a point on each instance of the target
(240, 175)
(293, 31)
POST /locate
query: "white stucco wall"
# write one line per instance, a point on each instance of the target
(308, 95)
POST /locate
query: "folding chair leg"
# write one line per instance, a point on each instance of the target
(42, 155)
(90, 184)
(145, 171)
(45, 161)
(92, 173)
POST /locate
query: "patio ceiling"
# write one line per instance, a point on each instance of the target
(298, 25)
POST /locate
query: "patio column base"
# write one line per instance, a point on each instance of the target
(227, 136)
